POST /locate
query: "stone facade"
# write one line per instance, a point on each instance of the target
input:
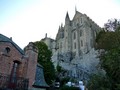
(18, 63)
(73, 47)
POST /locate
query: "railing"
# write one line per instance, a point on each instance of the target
(20, 83)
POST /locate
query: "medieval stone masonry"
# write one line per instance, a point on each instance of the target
(73, 48)
(19, 68)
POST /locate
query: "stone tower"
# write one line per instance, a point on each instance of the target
(31, 53)
(67, 32)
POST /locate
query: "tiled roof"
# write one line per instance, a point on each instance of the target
(39, 78)
(6, 39)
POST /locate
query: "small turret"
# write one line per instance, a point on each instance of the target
(46, 35)
(59, 28)
(61, 25)
(67, 19)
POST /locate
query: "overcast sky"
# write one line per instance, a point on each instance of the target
(29, 20)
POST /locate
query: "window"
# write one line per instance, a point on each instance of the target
(62, 34)
(7, 50)
(81, 32)
(74, 35)
(75, 45)
(81, 43)
(13, 76)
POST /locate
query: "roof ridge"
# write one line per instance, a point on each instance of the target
(4, 38)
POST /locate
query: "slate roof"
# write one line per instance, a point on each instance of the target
(39, 78)
(6, 39)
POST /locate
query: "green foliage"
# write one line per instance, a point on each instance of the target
(63, 81)
(59, 68)
(118, 87)
(108, 40)
(100, 35)
(44, 58)
(69, 88)
(111, 64)
(98, 82)
(110, 59)
(44, 54)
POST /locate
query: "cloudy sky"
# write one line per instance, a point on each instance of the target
(29, 20)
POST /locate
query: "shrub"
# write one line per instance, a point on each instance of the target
(69, 88)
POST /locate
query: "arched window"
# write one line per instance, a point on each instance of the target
(81, 33)
(14, 72)
(6, 51)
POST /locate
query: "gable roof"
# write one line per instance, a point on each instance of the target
(6, 39)
(77, 14)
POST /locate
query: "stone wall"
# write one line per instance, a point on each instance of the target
(27, 62)
(7, 58)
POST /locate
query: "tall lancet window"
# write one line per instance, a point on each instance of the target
(74, 35)
(14, 72)
(13, 76)
(81, 33)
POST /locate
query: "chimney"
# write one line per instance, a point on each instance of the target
(10, 38)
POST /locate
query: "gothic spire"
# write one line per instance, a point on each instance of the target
(67, 19)
(67, 16)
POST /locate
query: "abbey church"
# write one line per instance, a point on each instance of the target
(73, 48)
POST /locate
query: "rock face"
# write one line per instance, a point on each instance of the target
(73, 48)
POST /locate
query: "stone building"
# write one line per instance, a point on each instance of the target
(49, 42)
(73, 48)
(77, 35)
(19, 68)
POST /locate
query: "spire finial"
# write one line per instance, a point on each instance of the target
(46, 35)
(75, 9)
(67, 16)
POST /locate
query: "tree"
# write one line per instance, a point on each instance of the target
(44, 58)
(108, 40)
(98, 82)
(110, 58)
(111, 64)
(112, 25)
